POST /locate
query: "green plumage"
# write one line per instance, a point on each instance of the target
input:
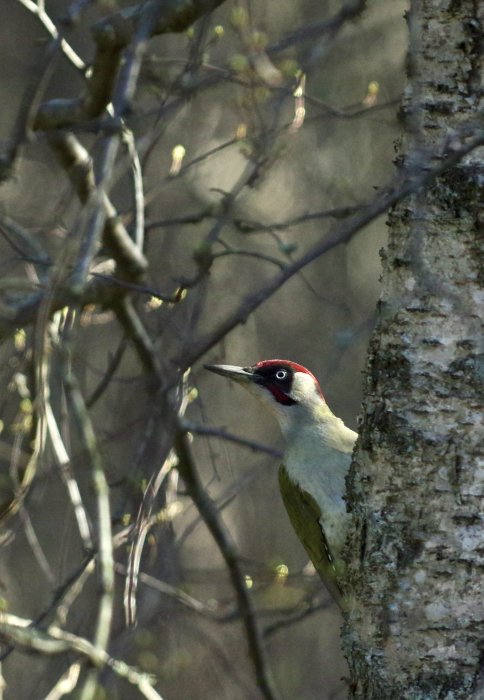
(304, 514)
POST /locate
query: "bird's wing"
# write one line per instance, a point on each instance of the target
(304, 514)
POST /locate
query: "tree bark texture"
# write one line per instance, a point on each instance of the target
(416, 551)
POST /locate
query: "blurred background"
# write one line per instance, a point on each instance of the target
(257, 132)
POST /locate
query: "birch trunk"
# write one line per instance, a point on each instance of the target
(416, 554)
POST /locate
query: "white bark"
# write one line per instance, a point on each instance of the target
(417, 545)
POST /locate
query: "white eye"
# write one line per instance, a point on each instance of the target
(281, 374)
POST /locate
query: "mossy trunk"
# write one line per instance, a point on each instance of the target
(416, 552)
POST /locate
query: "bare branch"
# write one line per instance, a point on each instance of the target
(138, 187)
(309, 609)
(136, 332)
(66, 683)
(228, 549)
(336, 213)
(224, 434)
(145, 519)
(24, 244)
(330, 27)
(176, 593)
(19, 631)
(49, 25)
(105, 553)
(78, 164)
(108, 374)
(131, 27)
(230, 250)
(439, 161)
(26, 312)
(141, 289)
(64, 463)
(144, 523)
(35, 545)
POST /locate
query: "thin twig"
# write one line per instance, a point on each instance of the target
(49, 25)
(30, 533)
(41, 373)
(130, 27)
(246, 226)
(138, 188)
(62, 598)
(24, 244)
(144, 520)
(20, 631)
(148, 19)
(105, 546)
(107, 376)
(343, 233)
(144, 523)
(337, 213)
(224, 614)
(195, 218)
(224, 500)
(177, 594)
(139, 288)
(224, 434)
(228, 549)
(249, 254)
(78, 164)
(298, 616)
(70, 591)
(139, 336)
(36, 547)
(341, 113)
(63, 460)
(204, 256)
(313, 31)
(66, 683)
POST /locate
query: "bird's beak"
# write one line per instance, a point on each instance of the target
(238, 374)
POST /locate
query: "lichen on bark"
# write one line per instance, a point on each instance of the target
(416, 550)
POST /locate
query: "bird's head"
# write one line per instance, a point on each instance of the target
(287, 389)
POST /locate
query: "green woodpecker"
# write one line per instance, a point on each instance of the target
(316, 458)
